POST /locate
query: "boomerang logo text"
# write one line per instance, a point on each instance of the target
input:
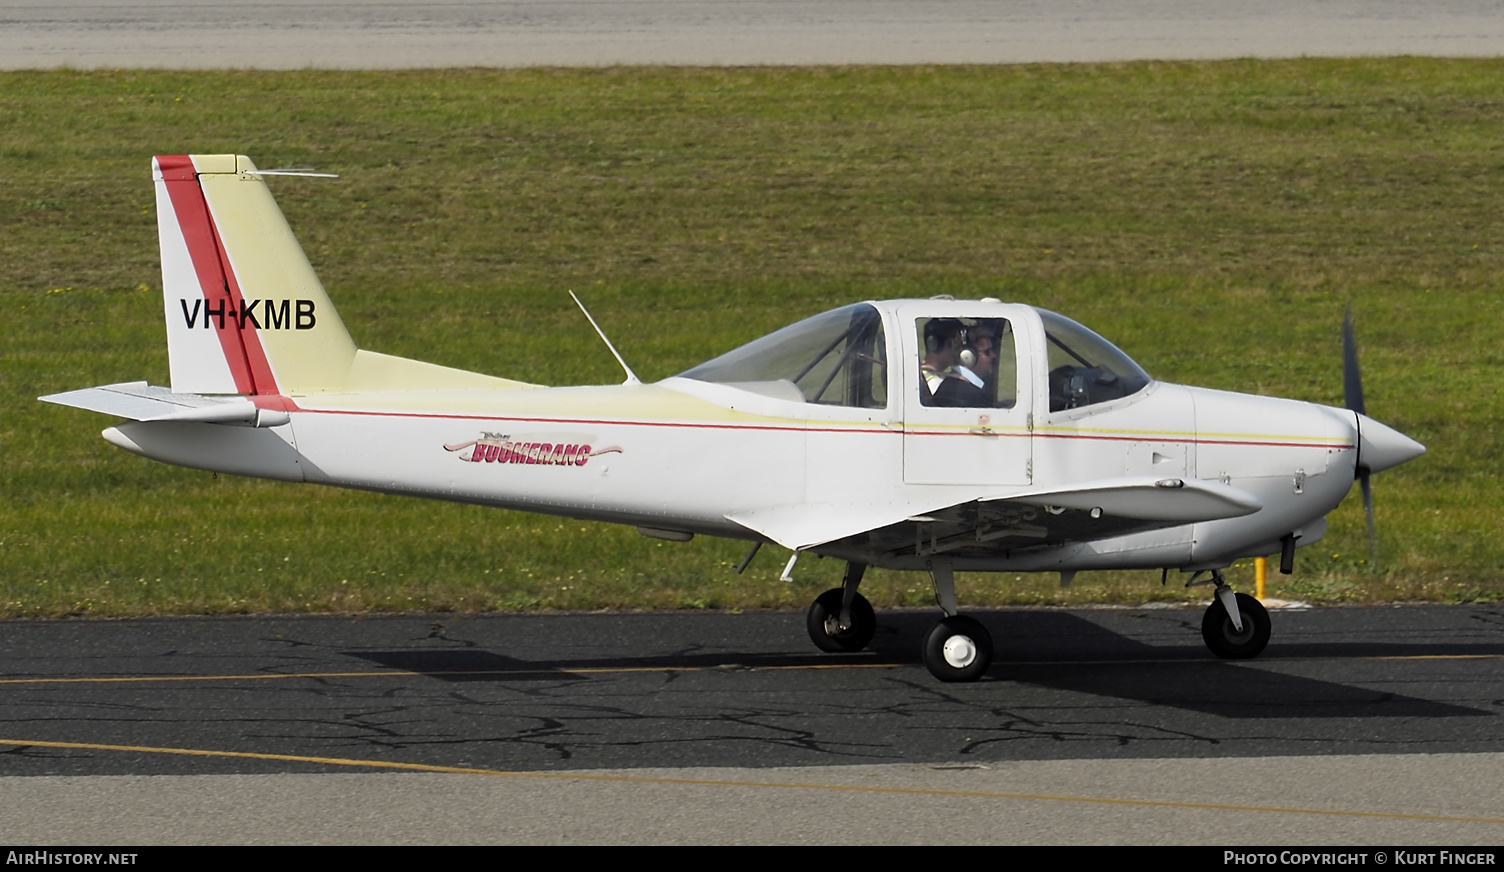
(504, 448)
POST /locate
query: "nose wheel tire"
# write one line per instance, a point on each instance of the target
(823, 623)
(1229, 643)
(958, 649)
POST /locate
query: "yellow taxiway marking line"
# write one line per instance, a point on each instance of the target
(708, 782)
(1435, 657)
(502, 673)
(725, 667)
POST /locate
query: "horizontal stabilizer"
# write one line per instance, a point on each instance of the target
(137, 401)
(140, 401)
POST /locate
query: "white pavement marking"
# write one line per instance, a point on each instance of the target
(350, 34)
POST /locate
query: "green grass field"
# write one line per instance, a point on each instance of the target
(1213, 219)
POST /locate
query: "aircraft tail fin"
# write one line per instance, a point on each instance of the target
(245, 312)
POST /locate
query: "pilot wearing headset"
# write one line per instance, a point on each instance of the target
(943, 338)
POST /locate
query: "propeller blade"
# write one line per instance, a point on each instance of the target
(1352, 378)
(1373, 539)
(1352, 396)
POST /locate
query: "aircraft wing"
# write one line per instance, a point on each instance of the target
(139, 401)
(986, 524)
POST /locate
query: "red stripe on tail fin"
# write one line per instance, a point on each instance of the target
(241, 344)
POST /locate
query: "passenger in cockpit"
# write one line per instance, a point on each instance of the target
(979, 367)
(970, 383)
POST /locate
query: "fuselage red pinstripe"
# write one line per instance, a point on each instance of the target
(865, 429)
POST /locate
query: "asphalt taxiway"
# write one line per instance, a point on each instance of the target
(1378, 725)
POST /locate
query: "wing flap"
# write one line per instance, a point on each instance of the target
(799, 527)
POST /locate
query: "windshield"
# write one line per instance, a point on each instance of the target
(1086, 369)
(838, 358)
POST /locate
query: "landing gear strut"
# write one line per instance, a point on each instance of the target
(958, 648)
(841, 619)
(1235, 626)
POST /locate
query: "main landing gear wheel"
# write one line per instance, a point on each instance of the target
(958, 649)
(1227, 642)
(823, 622)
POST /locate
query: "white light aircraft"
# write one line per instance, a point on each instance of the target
(931, 435)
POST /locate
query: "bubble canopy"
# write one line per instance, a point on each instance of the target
(836, 358)
(840, 358)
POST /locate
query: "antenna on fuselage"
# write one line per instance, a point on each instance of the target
(632, 378)
(306, 172)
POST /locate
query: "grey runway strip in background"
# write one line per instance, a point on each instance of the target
(503, 33)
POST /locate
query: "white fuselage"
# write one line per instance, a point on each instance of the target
(684, 455)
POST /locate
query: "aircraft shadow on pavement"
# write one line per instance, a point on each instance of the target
(478, 665)
(1062, 651)
(1053, 650)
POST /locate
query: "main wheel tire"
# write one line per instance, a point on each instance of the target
(1228, 643)
(958, 649)
(825, 611)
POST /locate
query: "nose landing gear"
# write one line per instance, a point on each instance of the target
(1235, 626)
